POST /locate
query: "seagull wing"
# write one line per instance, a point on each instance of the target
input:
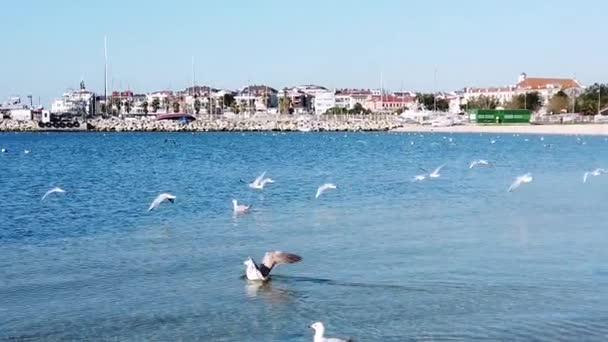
(277, 258)
(159, 199)
(258, 180)
(52, 191)
(515, 184)
(438, 169)
(585, 177)
(473, 164)
(320, 190)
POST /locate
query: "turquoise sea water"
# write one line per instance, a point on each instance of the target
(384, 258)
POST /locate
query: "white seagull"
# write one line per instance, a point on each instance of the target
(165, 196)
(319, 329)
(478, 162)
(324, 187)
(261, 272)
(3, 150)
(435, 173)
(595, 172)
(26, 151)
(419, 178)
(259, 182)
(52, 191)
(527, 178)
(239, 208)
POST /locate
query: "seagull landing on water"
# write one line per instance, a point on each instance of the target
(435, 173)
(325, 187)
(259, 182)
(261, 272)
(53, 191)
(319, 329)
(527, 178)
(160, 199)
(595, 172)
(239, 208)
(479, 162)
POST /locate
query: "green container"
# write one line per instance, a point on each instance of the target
(500, 116)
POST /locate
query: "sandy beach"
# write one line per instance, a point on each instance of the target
(586, 129)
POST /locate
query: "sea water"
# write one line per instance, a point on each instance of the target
(384, 258)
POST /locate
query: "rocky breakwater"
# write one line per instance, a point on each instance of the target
(18, 126)
(222, 125)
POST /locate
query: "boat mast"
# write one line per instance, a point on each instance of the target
(105, 92)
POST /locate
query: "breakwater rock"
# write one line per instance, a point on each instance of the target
(219, 125)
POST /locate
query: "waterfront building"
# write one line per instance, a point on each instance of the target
(323, 101)
(546, 87)
(75, 102)
(387, 103)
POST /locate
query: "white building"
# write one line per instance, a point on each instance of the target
(74, 101)
(323, 101)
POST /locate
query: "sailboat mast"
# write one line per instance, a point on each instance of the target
(105, 92)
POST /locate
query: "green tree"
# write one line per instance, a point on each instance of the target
(482, 102)
(128, 106)
(228, 100)
(118, 105)
(197, 106)
(587, 103)
(559, 102)
(144, 106)
(103, 108)
(285, 104)
(155, 105)
(176, 107)
(166, 103)
(428, 100)
(531, 101)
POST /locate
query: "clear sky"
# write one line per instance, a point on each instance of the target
(49, 46)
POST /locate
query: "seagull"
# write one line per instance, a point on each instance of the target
(26, 151)
(52, 191)
(595, 172)
(239, 208)
(3, 150)
(160, 199)
(492, 141)
(478, 162)
(419, 178)
(259, 182)
(435, 173)
(270, 260)
(324, 187)
(527, 178)
(319, 329)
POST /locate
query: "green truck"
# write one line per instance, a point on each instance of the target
(499, 116)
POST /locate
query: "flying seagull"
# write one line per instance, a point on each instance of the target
(52, 191)
(595, 172)
(319, 329)
(239, 208)
(3, 150)
(435, 173)
(260, 182)
(165, 196)
(478, 162)
(324, 187)
(419, 178)
(271, 259)
(26, 151)
(527, 178)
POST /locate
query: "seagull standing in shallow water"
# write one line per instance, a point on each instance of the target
(239, 208)
(52, 191)
(325, 187)
(595, 172)
(261, 272)
(160, 199)
(319, 329)
(527, 178)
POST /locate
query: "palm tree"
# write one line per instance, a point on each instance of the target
(176, 107)
(144, 106)
(155, 105)
(128, 106)
(197, 105)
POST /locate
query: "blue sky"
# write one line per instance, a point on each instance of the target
(48, 46)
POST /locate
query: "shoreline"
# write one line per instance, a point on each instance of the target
(568, 129)
(118, 125)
